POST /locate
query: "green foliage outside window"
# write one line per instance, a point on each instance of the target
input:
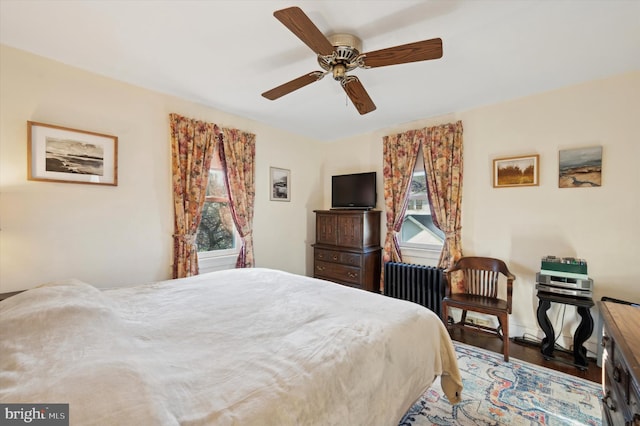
(212, 232)
(216, 226)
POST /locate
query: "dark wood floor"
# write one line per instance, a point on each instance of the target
(529, 353)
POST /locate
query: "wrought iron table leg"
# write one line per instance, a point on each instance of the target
(548, 342)
(582, 333)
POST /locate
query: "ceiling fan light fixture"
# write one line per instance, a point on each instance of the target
(339, 72)
(341, 53)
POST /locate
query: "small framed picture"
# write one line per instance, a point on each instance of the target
(61, 154)
(280, 184)
(516, 171)
(580, 168)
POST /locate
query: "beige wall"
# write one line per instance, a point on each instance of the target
(113, 236)
(520, 225)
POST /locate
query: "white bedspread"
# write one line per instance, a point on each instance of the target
(239, 347)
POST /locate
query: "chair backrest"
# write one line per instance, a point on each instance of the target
(481, 275)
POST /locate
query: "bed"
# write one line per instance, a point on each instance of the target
(238, 347)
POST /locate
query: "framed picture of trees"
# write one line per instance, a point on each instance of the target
(516, 171)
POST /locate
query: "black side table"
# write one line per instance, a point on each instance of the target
(582, 333)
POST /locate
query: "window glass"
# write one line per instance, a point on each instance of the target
(418, 229)
(217, 230)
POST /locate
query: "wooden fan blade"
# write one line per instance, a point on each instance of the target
(300, 24)
(359, 96)
(412, 52)
(292, 85)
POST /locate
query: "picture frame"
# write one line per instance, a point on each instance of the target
(580, 167)
(62, 154)
(279, 184)
(516, 171)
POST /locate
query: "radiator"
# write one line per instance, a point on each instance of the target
(421, 284)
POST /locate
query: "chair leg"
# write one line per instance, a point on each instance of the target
(504, 321)
(445, 314)
(463, 318)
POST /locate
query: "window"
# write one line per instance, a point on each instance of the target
(420, 239)
(216, 235)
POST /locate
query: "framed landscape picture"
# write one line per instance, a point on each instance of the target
(62, 154)
(580, 168)
(280, 184)
(516, 171)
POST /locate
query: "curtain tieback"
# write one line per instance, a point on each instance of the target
(185, 238)
(452, 233)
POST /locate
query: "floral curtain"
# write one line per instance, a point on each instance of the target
(442, 151)
(192, 145)
(238, 150)
(399, 158)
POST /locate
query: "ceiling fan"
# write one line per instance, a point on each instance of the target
(340, 53)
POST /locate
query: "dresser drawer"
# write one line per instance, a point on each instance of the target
(621, 378)
(351, 259)
(621, 403)
(327, 255)
(347, 258)
(338, 272)
(614, 404)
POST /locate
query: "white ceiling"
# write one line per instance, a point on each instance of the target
(225, 53)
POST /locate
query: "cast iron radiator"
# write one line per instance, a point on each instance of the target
(421, 284)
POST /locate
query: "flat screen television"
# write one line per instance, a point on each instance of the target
(354, 191)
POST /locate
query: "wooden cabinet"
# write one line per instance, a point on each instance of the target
(621, 364)
(347, 248)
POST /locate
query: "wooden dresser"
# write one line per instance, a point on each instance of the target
(347, 248)
(621, 364)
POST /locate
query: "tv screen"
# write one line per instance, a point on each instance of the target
(354, 191)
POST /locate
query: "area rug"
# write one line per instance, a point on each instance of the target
(508, 393)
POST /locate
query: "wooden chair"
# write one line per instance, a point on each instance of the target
(480, 276)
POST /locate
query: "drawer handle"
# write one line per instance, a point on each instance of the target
(609, 402)
(320, 268)
(352, 274)
(335, 257)
(616, 374)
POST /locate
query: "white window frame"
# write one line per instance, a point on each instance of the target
(217, 260)
(428, 256)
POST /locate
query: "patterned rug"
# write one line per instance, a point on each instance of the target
(513, 393)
